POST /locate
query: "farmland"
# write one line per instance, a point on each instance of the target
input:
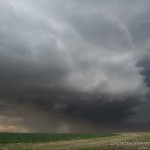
(43, 141)
(45, 137)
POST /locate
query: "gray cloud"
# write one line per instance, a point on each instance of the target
(71, 63)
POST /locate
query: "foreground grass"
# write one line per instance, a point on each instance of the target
(45, 137)
(123, 141)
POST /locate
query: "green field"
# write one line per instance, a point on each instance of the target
(45, 137)
(101, 141)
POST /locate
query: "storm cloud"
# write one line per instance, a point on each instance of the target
(67, 64)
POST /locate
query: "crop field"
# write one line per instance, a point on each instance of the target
(45, 137)
(101, 141)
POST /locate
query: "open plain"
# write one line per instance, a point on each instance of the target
(119, 141)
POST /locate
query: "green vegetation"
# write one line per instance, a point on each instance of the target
(103, 141)
(45, 137)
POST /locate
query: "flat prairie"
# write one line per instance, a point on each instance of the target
(118, 141)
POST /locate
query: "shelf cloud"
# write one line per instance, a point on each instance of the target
(67, 64)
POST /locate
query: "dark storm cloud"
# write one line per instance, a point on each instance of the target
(45, 110)
(64, 64)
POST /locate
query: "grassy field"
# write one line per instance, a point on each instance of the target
(45, 137)
(102, 141)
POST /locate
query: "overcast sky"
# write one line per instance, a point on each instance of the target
(74, 65)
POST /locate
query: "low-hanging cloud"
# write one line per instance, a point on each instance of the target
(71, 63)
